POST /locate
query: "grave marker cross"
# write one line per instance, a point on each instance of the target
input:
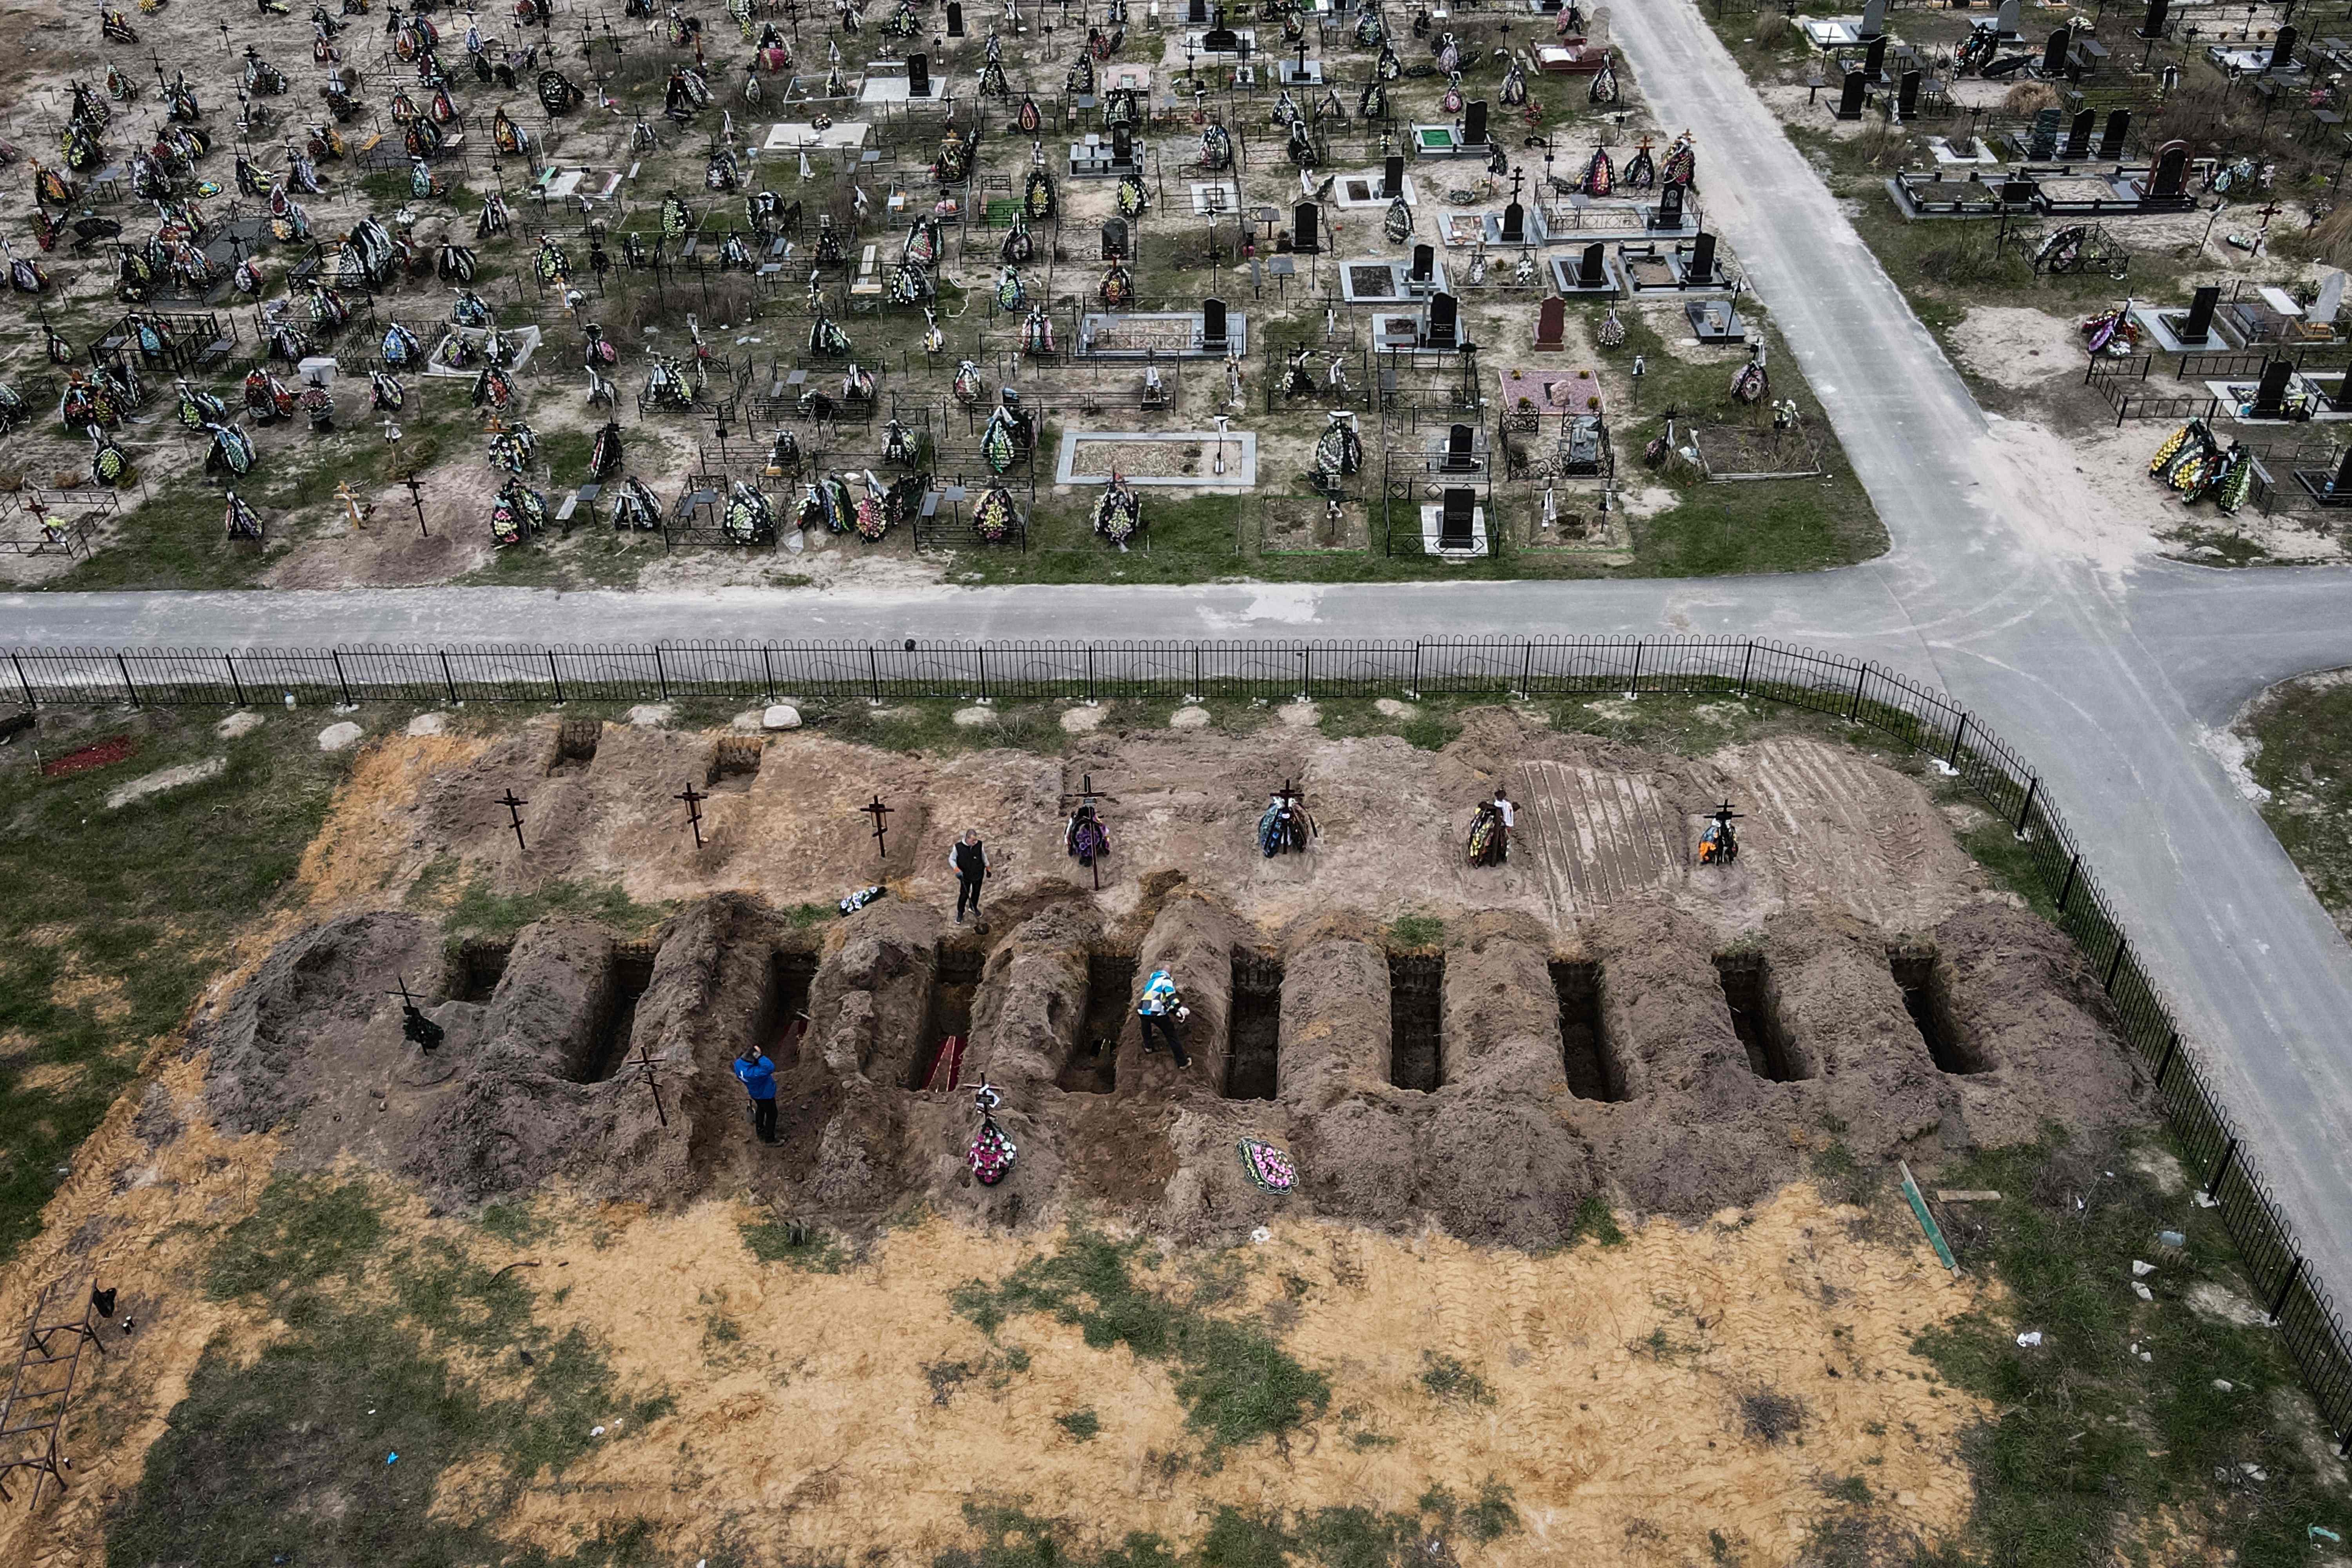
(880, 812)
(514, 810)
(694, 799)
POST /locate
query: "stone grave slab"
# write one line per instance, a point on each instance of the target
(1234, 44)
(1162, 458)
(1169, 334)
(1571, 56)
(810, 90)
(1217, 196)
(1379, 280)
(1716, 321)
(1532, 396)
(802, 136)
(524, 340)
(1568, 275)
(1827, 33)
(1440, 142)
(1349, 191)
(1096, 158)
(1947, 156)
(2162, 327)
(886, 83)
(1433, 534)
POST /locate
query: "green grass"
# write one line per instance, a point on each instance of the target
(1083, 1426)
(1007, 1535)
(1594, 1219)
(1236, 1382)
(2304, 731)
(289, 1458)
(804, 1248)
(479, 910)
(1445, 1377)
(2090, 1449)
(140, 904)
(1416, 932)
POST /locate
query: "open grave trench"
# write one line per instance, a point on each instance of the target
(1489, 1084)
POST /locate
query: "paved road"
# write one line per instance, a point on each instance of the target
(2108, 674)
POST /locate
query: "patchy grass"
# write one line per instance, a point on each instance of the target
(475, 909)
(2303, 732)
(1444, 1377)
(115, 919)
(2095, 1455)
(1419, 932)
(1594, 1220)
(329, 1446)
(1236, 1382)
(811, 1250)
(1007, 1535)
(1083, 1426)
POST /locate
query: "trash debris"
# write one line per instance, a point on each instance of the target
(2224, 1384)
(1262, 1236)
(2028, 1340)
(2172, 1238)
(391, 1459)
(595, 1431)
(2322, 1530)
(2147, 1355)
(2206, 1200)
(2142, 1291)
(2142, 1270)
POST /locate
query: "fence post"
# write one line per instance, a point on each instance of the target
(983, 652)
(2115, 964)
(1854, 709)
(1527, 668)
(1090, 675)
(1633, 681)
(768, 672)
(1413, 690)
(1197, 692)
(342, 681)
(1953, 761)
(2067, 886)
(2221, 1168)
(556, 675)
(2278, 1302)
(448, 679)
(1306, 671)
(1747, 660)
(21, 680)
(124, 665)
(2033, 788)
(2171, 1047)
(661, 674)
(235, 685)
(873, 674)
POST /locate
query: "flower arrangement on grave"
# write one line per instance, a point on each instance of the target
(1682, 161)
(993, 516)
(748, 519)
(1121, 109)
(1370, 28)
(455, 264)
(967, 384)
(231, 451)
(1119, 513)
(110, 465)
(519, 512)
(1010, 292)
(1302, 146)
(1216, 148)
(1028, 118)
(635, 507)
(2113, 332)
(825, 337)
(1117, 288)
(493, 389)
(1133, 198)
(243, 521)
(1037, 334)
(1598, 177)
(1604, 83)
(676, 218)
(1750, 382)
(604, 456)
(909, 284)
(991, 1154)
(922, 240)
(1450, 101)
(1080, 82)
(992, 74)
(1283, 111)
(1514, 90)
(1019, 245)
(1039, 199)
(857, 384)
(1340, 450)
(197, 408)
(1373, 104)
(1268, 1166)
(1612, 334)
(510, 450)
(998, 445)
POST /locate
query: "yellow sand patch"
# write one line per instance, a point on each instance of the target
(1617, 1377)
(50, 1076)
(360, 847)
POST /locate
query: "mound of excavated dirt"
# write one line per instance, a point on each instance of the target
(1608, 1022)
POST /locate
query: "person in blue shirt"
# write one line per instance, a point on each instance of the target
(1160, 1011)
(759, 1076)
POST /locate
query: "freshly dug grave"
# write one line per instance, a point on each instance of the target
(1721, 1068)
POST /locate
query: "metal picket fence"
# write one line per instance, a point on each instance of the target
(1866, 694)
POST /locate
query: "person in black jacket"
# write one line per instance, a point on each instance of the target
(969, 858)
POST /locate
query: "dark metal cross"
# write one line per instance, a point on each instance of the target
(694, 799)
(644, 1063)
(416, 498)
(514, 809)
(878, 811)
(1087, 797)
(413, 1024)
(1287, 794)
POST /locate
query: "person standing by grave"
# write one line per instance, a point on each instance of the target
(969, 858)
(1510, 818)
(1161, 1010)
(759, 1077)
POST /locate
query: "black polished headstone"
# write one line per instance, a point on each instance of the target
(1874, 59)
(2199, 326)
(1850, 96)
(2282, 50)
(1592, 266)
(2152, 26)
(2078, 134)
(1702, 258)
(1874, 20)
(1196, 12)
(1304, 236)
(2054, 53)
(1670, 206)
(2342, 483)
(955, 18)
(2270, 396)
(2042, 140)
(1444, 321)
(1213, 323)
(1393, 177)
(2111, 139)
(1425, 261)
(1122, 146)
(1907, 96)
(919, 75)
(1458, 510)
(1114, 239)
(1460, 448)
(2171, 167)
(1515, 224)
(1474, 124)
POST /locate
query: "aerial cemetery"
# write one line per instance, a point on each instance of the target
(2126, 228)
(799, 294)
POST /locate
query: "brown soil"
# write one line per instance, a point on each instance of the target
(1848, 972)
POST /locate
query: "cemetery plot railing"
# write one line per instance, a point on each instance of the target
(1904, 712)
